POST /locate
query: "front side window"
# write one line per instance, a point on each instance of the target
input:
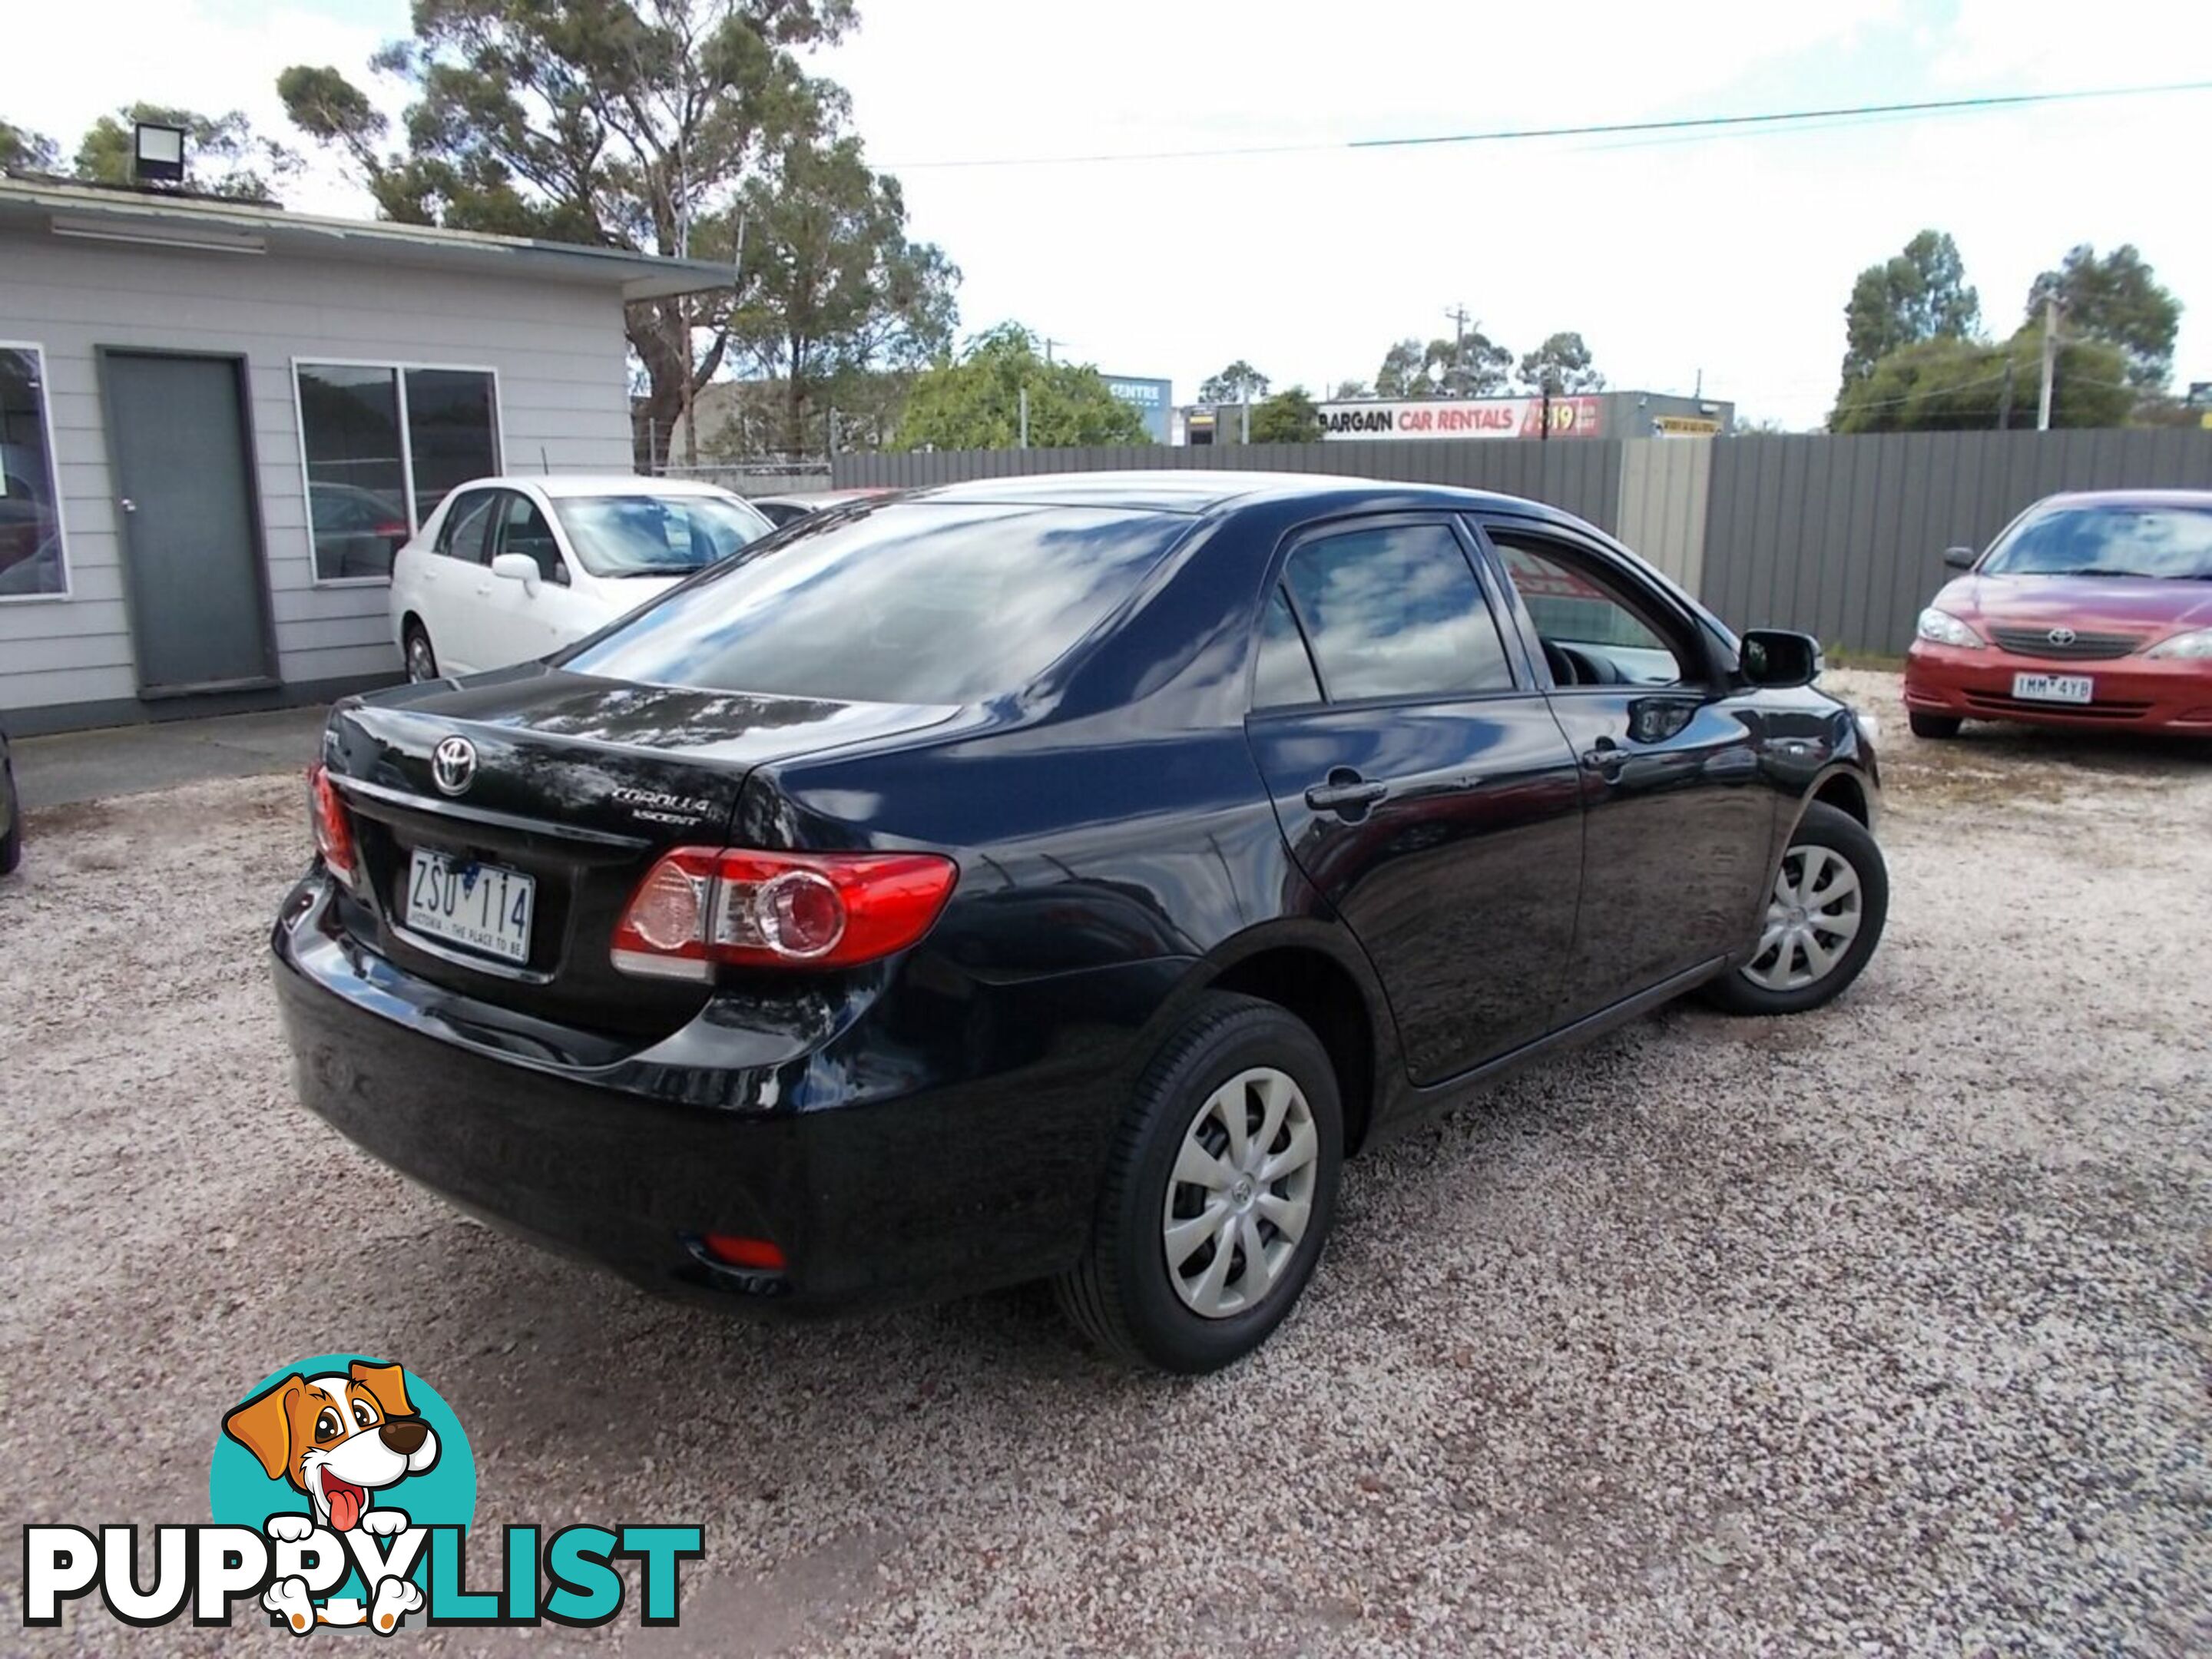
(2171, 544)
(1591, 635)
(648, 535)
(1395, 612)
(523, 530)
(32, 562)
(383, 445)
(921, 602)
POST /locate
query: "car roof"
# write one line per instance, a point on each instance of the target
(598, 483)
(2129, 498)
(1205, 489)
(818, 499)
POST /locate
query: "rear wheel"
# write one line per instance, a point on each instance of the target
(1824, 918)
(421, 660)
(1932, 725)
(1219, 1192)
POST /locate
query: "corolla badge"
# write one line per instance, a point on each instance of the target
(2062, 636)
(452, 763)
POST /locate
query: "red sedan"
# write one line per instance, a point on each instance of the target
(2090, 610)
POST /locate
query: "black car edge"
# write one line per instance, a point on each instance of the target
(11, 812)
(1055, 877)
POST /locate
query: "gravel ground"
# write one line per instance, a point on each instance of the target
(1878, 1330)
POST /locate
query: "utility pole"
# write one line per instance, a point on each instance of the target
(1458, 315)
(2004, 400)
(2050, 360)
(1025, 396)
(1245, 420)
(1049, 342)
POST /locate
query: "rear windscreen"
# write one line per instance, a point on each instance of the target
(916, 602)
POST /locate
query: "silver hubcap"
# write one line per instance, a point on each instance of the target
(1811, 919)
(419, 664)
(1241, 1194)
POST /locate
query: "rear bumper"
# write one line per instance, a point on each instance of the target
(884, 1169)
(2134, 693)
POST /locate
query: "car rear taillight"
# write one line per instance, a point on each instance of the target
(333, 828)
(698, 907)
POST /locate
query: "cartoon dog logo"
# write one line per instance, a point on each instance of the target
(339, 1439)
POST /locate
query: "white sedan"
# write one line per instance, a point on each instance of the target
(507, 570)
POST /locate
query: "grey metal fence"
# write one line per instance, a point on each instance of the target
(1841, 536)
(1844, 536)
(1581, 475)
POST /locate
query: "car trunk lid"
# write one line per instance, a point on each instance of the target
(558, 792)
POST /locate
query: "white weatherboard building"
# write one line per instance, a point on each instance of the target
(218, 420)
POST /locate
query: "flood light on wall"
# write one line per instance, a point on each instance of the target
(158, 154)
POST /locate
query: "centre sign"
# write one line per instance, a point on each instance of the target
(1463, 418)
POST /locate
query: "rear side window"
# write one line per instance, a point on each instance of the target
(466, 526)
(915, 602)
(1285, 673)
(1395, 612)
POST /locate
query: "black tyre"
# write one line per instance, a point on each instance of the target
(11, 844)
(421, 660)
(1823, 920)
(1932, 725)
(1219, 1192)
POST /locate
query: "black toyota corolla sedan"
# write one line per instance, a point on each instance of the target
(1055, 877)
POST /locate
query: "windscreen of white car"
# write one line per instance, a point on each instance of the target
(2174, 542)
(648, 535)
(919, 602)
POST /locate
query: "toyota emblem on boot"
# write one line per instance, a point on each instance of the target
(452, 763)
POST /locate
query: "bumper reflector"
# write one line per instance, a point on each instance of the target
(755, 1255)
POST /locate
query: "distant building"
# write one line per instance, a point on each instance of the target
(1599, 415)
(1151, 399)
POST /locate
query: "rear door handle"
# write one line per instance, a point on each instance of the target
(1344, 790)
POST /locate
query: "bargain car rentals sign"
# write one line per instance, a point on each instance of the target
(1463, 418)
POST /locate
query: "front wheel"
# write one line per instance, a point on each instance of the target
(1932, 725)
(1218, 1193)
(1824, 917)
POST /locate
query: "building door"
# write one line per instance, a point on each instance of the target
(192, 536)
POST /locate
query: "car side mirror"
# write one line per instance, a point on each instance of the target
(1959, 558)
(517, 567)
(1779, 657)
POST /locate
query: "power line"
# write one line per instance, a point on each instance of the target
(1768, 120)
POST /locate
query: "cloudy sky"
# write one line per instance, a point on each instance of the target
(1725, 257)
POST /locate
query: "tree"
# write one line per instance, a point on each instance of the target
(1948, 384)
(222, 155)
(615, 123)
(1471, 365)
(830, 291)
(974, 401)
(1916, 295)
(1561, 366)
(2116, 300)
(1239, 383)
(1349, 391)
(1290, 416)
(23, 150)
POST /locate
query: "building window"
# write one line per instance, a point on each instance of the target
(382, 444)
(33, 565)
